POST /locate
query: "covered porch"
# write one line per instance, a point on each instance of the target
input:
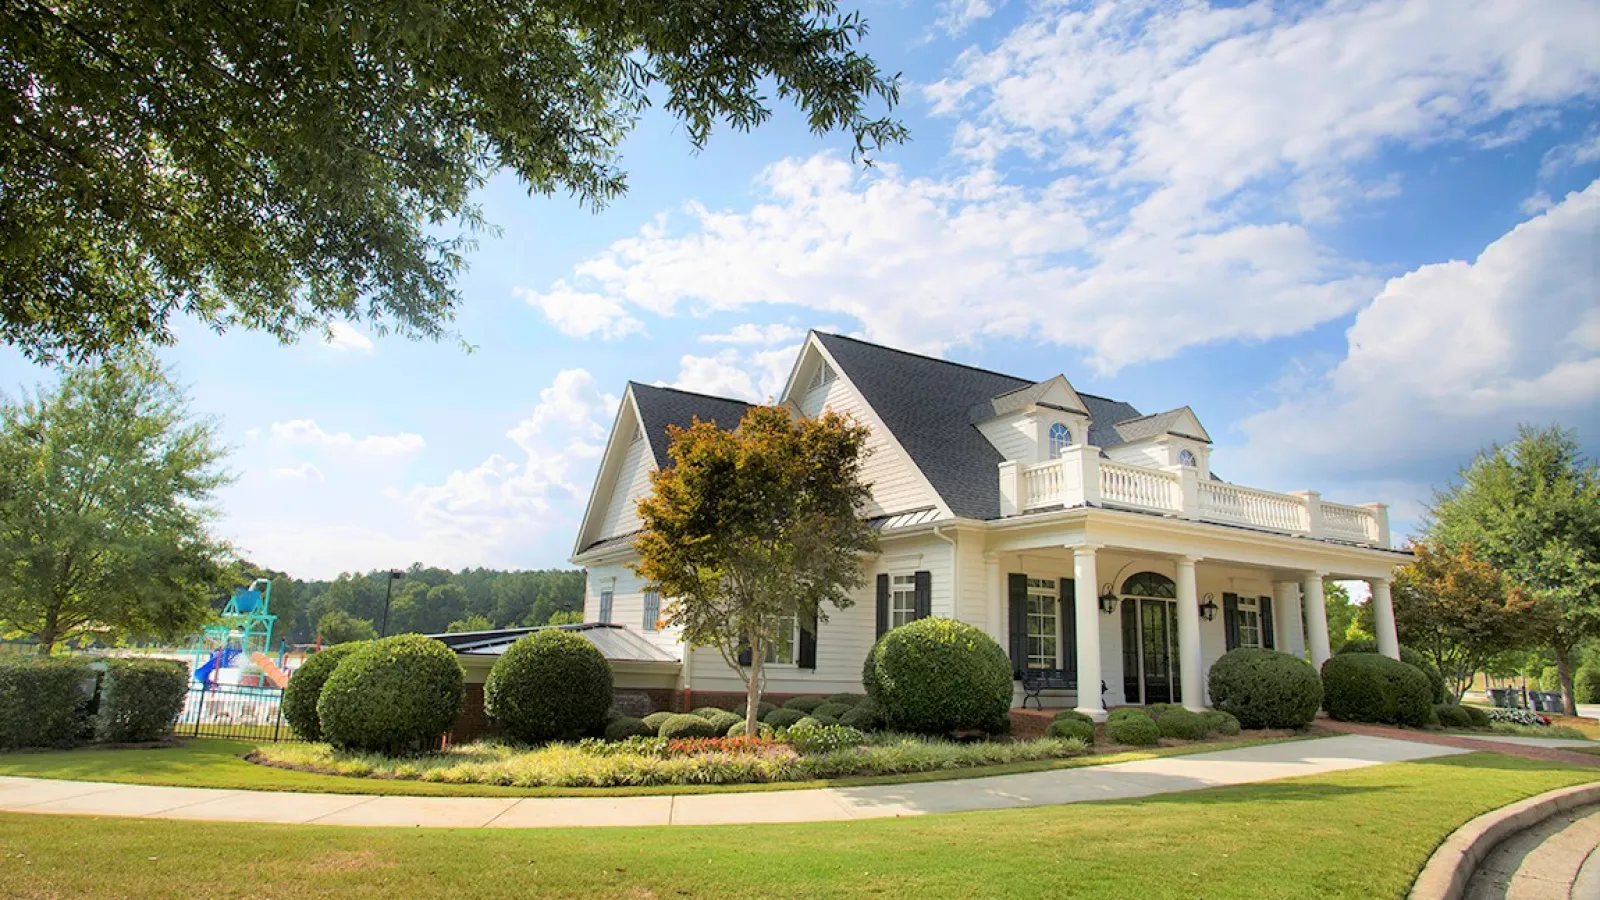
(1140, 608)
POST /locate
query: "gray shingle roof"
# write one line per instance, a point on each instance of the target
(1158, 423)
(1012, 402)
(927, 404)
(663, 406)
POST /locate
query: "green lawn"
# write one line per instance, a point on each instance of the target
(205, 762)
(1359, 834)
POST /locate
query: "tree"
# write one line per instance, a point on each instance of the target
(339, 627)
(1341, 614)
(473, 622)
(1461, 612)
(276, 165)
(106, 485)
(1533, 511)
(566, 617)
(753, 532)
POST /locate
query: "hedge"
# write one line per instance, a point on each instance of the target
(1082, 729)
(1219, 722)
(1369, 687)
(685, 725)
(551, 685)
(395, 695)
(783, 717)
(1452, 716)
(833, 710)
(627, 727)
(847, 699)
(721, 719)
(1136, 731)
(737, 729)
(864, 716)
(804, 703)
(300, 696)
(44, 701)
(1411, 658)
(1478, 716)
(654, 720)
(1183, 724)
(1265, 688)
(936, 676)
(140, 700)
(1156, 710)
(1586, 684)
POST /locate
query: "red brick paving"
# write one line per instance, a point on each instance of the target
(1549, 754)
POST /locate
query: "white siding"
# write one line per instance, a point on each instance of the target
(896, 486)
(632, 482)
(972, 589)
(1013, 436)
(1144, 453)
(627, 604)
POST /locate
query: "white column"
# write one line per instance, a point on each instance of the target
(1190, 662)
(1383, 618)
(1316, 619)
(997, 591)
(1287, 618)
(1086, 615)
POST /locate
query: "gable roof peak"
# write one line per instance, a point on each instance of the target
(1169, 422)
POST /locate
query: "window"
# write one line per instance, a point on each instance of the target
(782, 650)
(821, 378)
(902, 600)
(1248, 619)
(1186, 458)
(1150, 584)
(1060, 440)
(605, 607)
(1042, 636)
(652, 610)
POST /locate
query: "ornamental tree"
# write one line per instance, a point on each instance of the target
(751, 530)
(1533, 511)
(281, 165)
(106, 485)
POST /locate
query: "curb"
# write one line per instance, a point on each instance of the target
(1450, 867)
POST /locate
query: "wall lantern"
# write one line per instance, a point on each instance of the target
(1108, 600)
(1208, 609)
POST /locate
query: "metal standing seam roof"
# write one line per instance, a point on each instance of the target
(617, 643)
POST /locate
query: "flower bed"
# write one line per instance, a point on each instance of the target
(657, 761)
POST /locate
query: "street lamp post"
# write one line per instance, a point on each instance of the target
(388, 590)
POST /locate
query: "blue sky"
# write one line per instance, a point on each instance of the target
(1359, 238)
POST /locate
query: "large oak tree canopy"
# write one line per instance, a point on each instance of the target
(281, 164)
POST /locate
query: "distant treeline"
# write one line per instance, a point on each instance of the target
(425, 599)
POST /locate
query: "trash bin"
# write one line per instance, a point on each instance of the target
(1554, 702)
(1537, 699)
(1500, 697)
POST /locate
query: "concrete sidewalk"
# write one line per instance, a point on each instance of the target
(1554, 860)
(1111, 782)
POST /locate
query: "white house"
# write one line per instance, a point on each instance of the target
(1091, 540)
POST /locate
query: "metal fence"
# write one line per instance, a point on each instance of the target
(232, 711)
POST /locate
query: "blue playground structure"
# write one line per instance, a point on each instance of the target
(245, 630)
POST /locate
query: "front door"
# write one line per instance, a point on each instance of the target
(1150, 651)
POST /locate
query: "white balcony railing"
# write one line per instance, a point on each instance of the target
(1081, 478)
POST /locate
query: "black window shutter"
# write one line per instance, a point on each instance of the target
(1067, 609)
(883, 604)
(1018, 584)
(808, 644)
(1230, 619)
(744, 653)
(1268, 639)
(922, 582)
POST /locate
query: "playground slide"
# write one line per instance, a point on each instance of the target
(220, 659)
(272, 670)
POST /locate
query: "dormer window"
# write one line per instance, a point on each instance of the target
(1186, 458)
(1060, 440)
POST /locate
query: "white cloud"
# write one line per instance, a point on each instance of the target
(308, 432)
(303, 472)
(757, 376)
(956, 16)
(582, 314)
(343, 336)
(1450, 357)
(1581, 152)
(755, 334)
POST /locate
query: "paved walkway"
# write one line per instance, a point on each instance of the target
(1549, 749)
(1554, 860)
(1111, 782)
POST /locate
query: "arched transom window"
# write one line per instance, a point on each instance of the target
(1150, 584)
(1060, 440)
(1186, 458)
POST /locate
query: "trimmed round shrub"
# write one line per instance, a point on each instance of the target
(706, 712)
(614, 714)
(806, 722)
(1411, 658)
(1071, 728)
(395, 695)
(721, 719)
(1368, 687)
(1451, 715)
(1123, 712)
(1478, 716)
(549, 686)
(762, 708)
(936, 676)
(627, 727)
(1265, 688)
(1157, 710)
(1219, 722)
(140, 700)
(864, 716)
(737, 729)
(847, 699)
(1586, 684)
(869, 673)
(1183, 724)
(44, 701)
(834, 710)
(783, 717)
(304, 689)
(811, 739)
(826, 720)
(804, 703)
(1135, 731)
(684, 725)
(654, 720)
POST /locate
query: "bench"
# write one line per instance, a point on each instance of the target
(1037, 681)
